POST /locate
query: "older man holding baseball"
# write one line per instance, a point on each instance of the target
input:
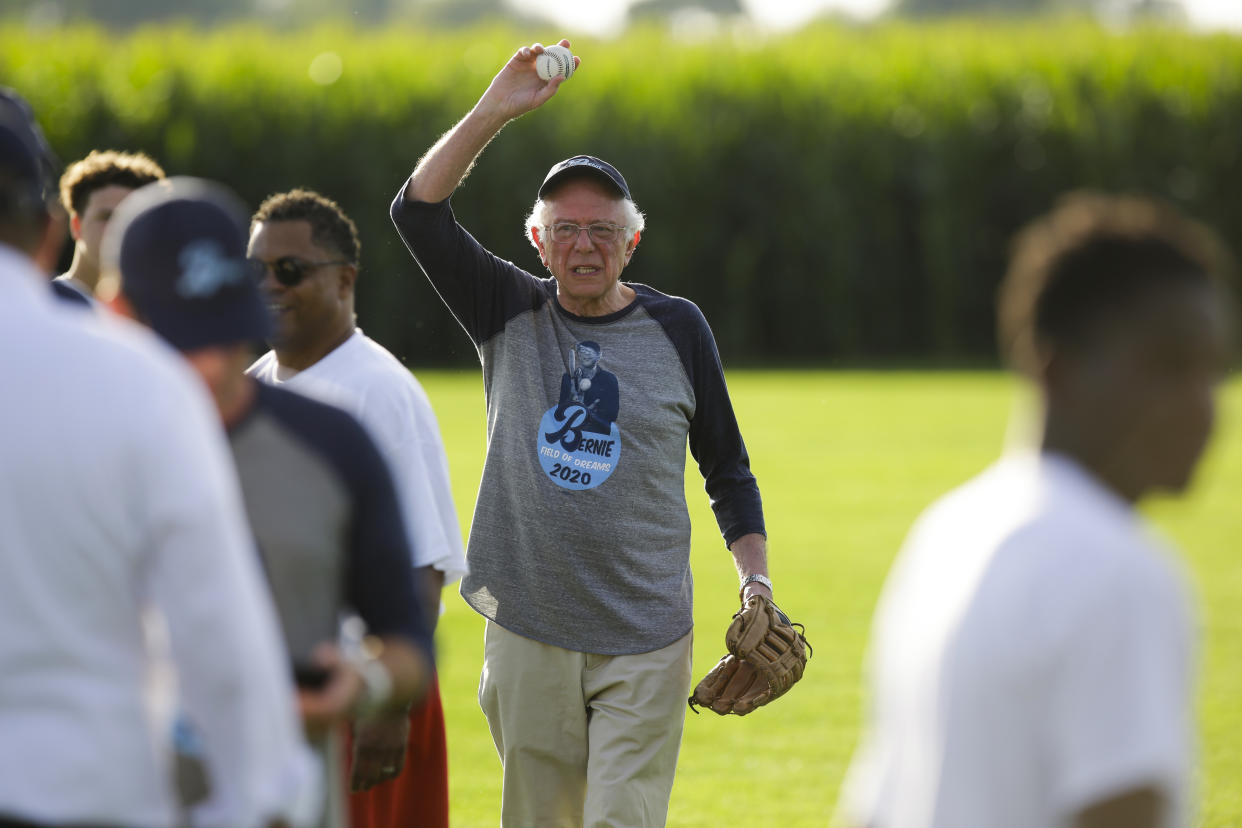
(579, 549)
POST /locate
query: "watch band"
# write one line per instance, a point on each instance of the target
(376, 685)
(755, 579)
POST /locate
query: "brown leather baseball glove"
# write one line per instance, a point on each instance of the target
(767, 655)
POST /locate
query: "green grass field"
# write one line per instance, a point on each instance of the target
(845, 462)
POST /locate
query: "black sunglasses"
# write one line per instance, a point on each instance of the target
(289, 270)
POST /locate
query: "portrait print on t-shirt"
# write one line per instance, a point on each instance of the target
(579, 444)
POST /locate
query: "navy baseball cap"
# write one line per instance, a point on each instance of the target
(24, 155)
(585, 165)
(180, 249)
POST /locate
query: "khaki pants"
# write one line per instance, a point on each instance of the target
(584, 739)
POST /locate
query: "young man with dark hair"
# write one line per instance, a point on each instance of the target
(319, 496)
(1032, 651)
(309, 250)
(90, 190)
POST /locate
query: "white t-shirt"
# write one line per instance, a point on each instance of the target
(102, 528)
(363, 378)
(1031, 656)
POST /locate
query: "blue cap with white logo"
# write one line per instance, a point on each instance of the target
(180, 248)
(585, 165)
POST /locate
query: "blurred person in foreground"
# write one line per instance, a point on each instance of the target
(1032, 655)
(309, 251)
(319, 496)
(109, 535)
(91, 190)
(580, 545)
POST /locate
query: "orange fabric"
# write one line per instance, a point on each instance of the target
(418, 798)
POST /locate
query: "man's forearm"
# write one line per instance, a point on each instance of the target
(430, 582)
(516, 90)
(450, 159)
(750, 556)
(409, 669)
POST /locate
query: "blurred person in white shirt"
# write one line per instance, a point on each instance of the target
(1032, 656)
(107, 533)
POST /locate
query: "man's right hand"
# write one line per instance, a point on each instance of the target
(517, 87)
(516, 90)
(323, 707)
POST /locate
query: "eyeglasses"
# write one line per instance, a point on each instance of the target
(289, 270)
(566, 232)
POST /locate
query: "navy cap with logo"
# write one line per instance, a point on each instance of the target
(25, 157)
(180, 248)
(585, 165)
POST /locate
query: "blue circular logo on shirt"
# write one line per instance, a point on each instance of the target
(577, 450)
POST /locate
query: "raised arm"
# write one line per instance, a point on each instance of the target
(516, 90)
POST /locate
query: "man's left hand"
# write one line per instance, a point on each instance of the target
(767, 656)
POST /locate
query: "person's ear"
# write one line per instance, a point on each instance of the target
(632, 245)
(537, 241)
(47, 250)
(1054, 368)
(347, 280)
(75, 226)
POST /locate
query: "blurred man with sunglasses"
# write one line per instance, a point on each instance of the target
(580, 546)
(309, 252)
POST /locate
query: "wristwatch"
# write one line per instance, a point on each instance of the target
(754, 579)
(376, 685)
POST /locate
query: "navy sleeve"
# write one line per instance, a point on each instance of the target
(483, 291)
(379, 581)
(715, 439)
(381, 576)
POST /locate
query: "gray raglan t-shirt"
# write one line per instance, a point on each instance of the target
(326, 521)
(581, 537)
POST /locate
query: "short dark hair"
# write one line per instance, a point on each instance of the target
(330, 227)
(105, 168)
(1094, 256)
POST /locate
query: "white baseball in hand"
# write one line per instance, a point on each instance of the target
(584, 384)
(553, 61)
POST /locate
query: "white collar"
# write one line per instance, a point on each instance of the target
(285, 373)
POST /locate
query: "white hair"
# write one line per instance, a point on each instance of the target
(540, 216)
